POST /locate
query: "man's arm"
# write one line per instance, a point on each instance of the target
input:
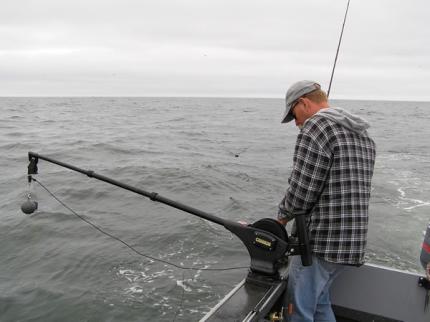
(310, 169)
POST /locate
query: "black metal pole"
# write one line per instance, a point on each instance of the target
(304, 247)
(33, 157)
(265, 248)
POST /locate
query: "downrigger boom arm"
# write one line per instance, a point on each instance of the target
(266, 240)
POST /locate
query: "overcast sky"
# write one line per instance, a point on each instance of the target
(252, 48)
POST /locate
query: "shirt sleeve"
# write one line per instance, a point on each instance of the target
(311, 164)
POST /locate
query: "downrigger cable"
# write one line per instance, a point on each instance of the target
(128, 245)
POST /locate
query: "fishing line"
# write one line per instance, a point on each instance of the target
(128, 245)
(337, 51)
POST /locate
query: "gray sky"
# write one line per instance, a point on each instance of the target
(213, 47)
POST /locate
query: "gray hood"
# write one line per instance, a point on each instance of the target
(346, 119)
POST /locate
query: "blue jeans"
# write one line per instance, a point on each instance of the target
(307, 297)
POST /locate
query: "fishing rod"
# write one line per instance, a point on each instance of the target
(266, 240)
(337, 51)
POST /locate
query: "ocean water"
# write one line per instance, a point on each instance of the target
(228, 157)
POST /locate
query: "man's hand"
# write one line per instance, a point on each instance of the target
(282, 221)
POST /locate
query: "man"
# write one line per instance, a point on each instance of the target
(331, 181)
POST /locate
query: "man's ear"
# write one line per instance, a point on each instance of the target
(306, 103)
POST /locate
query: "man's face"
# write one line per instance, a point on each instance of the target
(304, 109)
(299, 113)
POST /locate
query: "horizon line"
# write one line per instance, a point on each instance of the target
(209, 97)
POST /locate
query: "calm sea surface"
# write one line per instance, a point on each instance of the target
(229, 157)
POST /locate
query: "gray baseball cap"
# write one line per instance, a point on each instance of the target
(296, 91)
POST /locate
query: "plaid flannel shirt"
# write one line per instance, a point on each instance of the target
(331, 182)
